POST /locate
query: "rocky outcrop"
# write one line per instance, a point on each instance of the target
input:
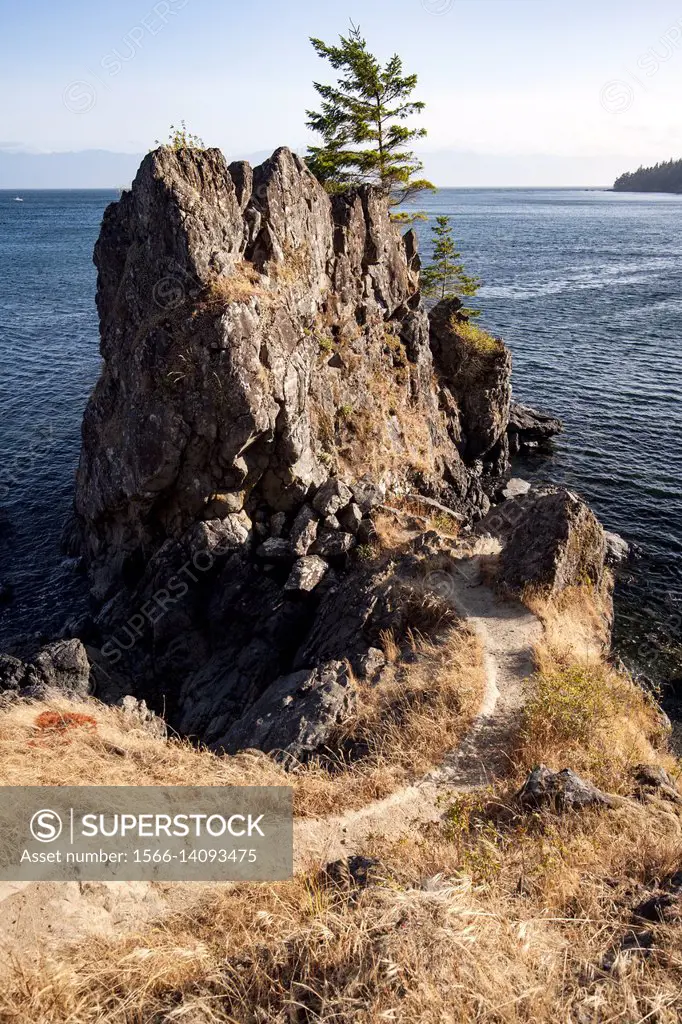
(560, 791)
(62, 667)
(298, 715)
(269, 376)
(530, 429)
(259, 338)
(475, 388)
(552, 540)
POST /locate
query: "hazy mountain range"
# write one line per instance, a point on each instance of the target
(99, 168)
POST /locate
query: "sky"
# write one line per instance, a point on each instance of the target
(517, 92)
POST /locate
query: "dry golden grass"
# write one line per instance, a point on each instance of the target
(580, 710)
(489, 917)
(577, 620)
(242, 283)
(118, 752)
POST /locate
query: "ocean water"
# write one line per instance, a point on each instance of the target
(49, 361)
(585, 287)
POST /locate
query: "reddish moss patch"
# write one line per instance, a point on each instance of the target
(60, 723)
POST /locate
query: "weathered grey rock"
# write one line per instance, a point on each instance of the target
(652, 780)
(277, 524)
(515, 488)
(352, 617)
(334, 544)
(12, 672)
(332, 497)
(367, 494)
(218, 536)
(298, 715)
(560, 791)
(330, 523)
(62, 665)
(372, 663)
(224, 504)
(275, 549)
(350, 518)
(304, 530)
(530, 429)
(617, 549)
(138, 712)
(217, 421)
(214, 288)
(307, 572)
(552, 540)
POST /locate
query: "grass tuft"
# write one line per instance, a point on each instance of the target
(476, 338)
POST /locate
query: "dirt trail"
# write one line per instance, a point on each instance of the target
(33, 912)
(508, 632)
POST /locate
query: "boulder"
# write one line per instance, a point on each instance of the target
(306, 573)
(298, 715)
(617, 549)
(560, 791)
(515, 488)
(275, 549)
(371, 663)
(303, 530)
(530, 429)
(63, 665)
(551, 540)
(652, 780)
(367, 494)
(277, 524)
(350, 518)
(218, 536)
(136, 711)
(333, 544)
(12, 672)
(332, 497)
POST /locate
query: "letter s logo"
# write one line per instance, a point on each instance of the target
(46, 826)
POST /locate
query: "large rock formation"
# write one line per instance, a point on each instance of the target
(552, 540)
(475, 379)
(269, 375)
(257, 338)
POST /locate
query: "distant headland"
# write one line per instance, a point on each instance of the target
(663, 177)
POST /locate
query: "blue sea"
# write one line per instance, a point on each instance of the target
(585, 286)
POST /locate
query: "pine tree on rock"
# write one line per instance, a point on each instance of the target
(361, 122)
(445, 277)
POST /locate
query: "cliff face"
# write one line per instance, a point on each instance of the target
(268, 377)
(258, 337)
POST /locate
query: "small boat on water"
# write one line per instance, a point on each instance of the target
(18, 200)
